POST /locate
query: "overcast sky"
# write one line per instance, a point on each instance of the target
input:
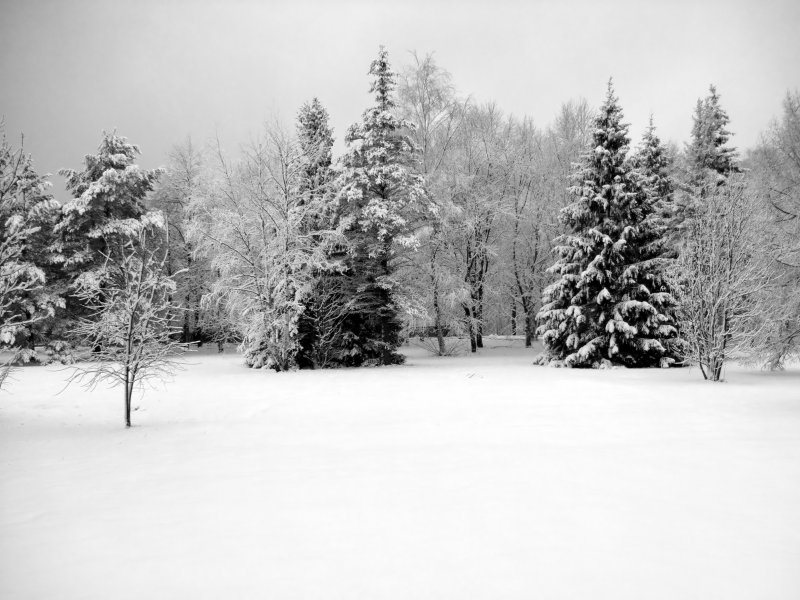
(159, 71)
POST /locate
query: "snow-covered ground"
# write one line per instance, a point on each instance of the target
(446, 478)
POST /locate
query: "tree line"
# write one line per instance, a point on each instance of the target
(444, 219)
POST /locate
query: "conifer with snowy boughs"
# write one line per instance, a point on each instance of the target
(708, 161)
(108, 194)
(610, 303)
(315, 138)
(108, 202)
(316, 141)
(707, 149)
(384, 197)
(27, 214)
(653, 163)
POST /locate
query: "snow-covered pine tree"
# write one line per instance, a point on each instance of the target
(707, 161)
(653, 162)
(316, 141)
(610, 302)
(315, 138)
(27, 214)
(707, 149)
(109, 191)
(108, 200)
(384, 196)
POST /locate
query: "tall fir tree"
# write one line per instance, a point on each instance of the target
(316, 141)
(708, 161)
(315, 137)
(708, 149)
(654, 163)
(108, 202)
(610, 302)
(107, 195)
(383, 196)
(27, 216)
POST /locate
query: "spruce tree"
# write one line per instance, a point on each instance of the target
(315, 137)
(708, 162)
(316, 141)
(610, 302)
(707, 150)
(108, 194)
(652, 161)
(108, 202)
(383, 194)
(27, 215)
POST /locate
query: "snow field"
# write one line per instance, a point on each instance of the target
(465, 477)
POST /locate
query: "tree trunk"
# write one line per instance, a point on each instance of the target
(514, 317)
(473, 345)
(437, 311)
(185, 335)
(527, 305)
(703, 371)
(718, 370)
(479, 319)
(528, 330)
(128, 389)
(386, 351)
(386, 355)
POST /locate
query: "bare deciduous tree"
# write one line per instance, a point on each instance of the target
(253, 226)
(776, 173)
(185, 180)
(721, 277)
(428, 98)
(131, 316)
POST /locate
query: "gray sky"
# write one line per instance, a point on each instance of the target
(159, 71)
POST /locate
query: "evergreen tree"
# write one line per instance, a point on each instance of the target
(708, 161)
(108, 201)
(315, 137)
(610, 300)
(316, 141)
(383, 195)
(707, 149)
(107, 194)
(27, 214)
(653, 162)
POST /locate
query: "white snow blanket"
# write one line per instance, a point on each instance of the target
(472, 477)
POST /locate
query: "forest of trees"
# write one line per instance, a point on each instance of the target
(445, 218)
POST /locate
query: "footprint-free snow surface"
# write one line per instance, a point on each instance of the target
(472, 477)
